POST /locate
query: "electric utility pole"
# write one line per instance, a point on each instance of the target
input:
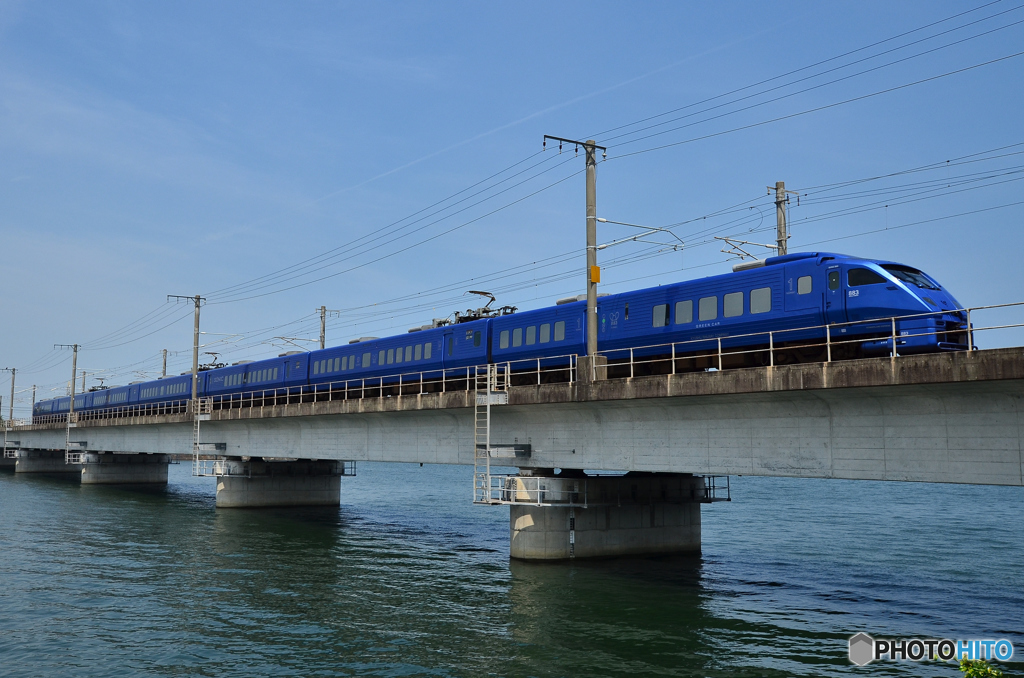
(198, 301)
(324, 312)
(781, 229)
(83, 381)
(33, 398)
(163, 372)
(74, 372)
(13, 371)
(593, 270)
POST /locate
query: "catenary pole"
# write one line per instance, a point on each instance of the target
(163, 372)
(781, 234)
(198, 301)
(593, 273)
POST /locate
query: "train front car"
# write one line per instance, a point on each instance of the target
(905, 302)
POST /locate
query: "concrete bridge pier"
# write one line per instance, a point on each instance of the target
(50, 462)
(258, 483)
(559, 517)
(124, 469)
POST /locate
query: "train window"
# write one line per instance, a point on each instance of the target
(856, 277)
(351, 362)
(684, 312)
(660, 318)
(316, 367)
(337, 364)
(476, 338)
(627, 314)
(408, 354)
(275, 373)
(560, 330)
(803, 284)
(531, 335)
(391, 355)
(733, 304)
(419, 352)
(398, 355)
(517, 336)
(451, 341)
(426, 349)
(833, 280)
(761, 300)
(380, 357)
(366, 359)
(503, 339)
(707, 308)
(545, 333)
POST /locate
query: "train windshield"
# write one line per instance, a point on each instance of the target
(912, 276)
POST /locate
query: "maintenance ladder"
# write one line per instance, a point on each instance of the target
(491, 388)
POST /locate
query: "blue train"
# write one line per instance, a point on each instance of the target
(793, 296)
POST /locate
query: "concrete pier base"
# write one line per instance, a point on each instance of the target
(612, 516)
(125, 469)
(6, 462)
(253, 484)
(44, 461)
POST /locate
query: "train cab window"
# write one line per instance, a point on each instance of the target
(856, 277)
(517, 337)
(419, 352)
(408, 354)
(366, 359)
(684, 312)
(733, 305)
(531, 335)
(503, 339)
(833, 280)
(660, 316)
(477, 339)
(545, 333)
(427, 347)
(560, 330)
(707, 308)
(761, 300)
(391, 355)
(803, 284)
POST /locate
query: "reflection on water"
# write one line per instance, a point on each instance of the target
(407, 578)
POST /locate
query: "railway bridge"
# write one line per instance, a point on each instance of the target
(664, 443)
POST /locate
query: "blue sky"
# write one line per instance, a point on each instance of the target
(149, 149)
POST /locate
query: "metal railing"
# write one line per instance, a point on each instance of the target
(233, 468)
(772, 347)
(713, 352)
(577, 492)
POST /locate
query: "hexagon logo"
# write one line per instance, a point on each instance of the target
(862, 649)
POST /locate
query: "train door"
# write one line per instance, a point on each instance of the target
(448, 348)
(835, 295)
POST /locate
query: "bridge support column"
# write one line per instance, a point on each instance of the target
(634, 514)
(7, 462)
(253, 484)
(124, 469)
(44, 461)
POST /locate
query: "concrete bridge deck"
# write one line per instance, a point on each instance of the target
(948, 417)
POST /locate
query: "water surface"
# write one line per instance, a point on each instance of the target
(408, 578)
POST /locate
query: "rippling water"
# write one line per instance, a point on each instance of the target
(407, 578)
